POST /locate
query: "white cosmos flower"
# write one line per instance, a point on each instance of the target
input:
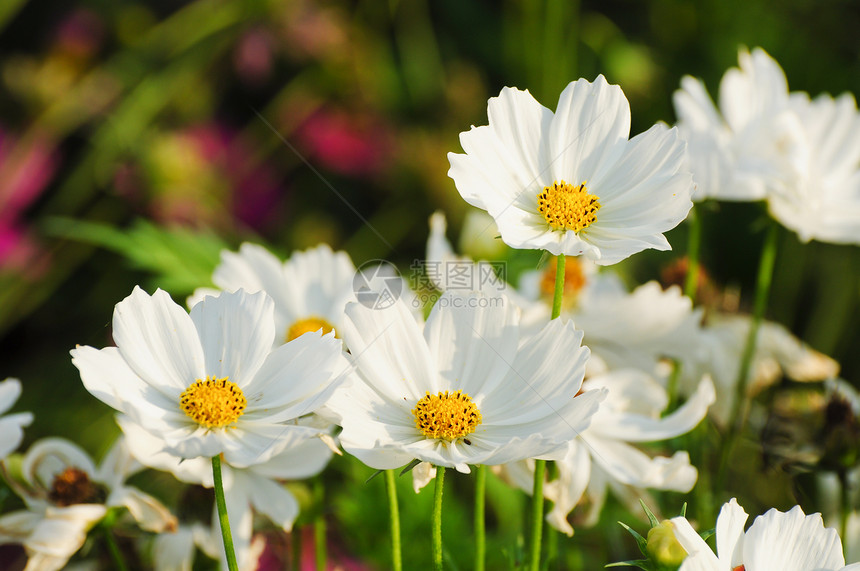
(776, 541)
(622, 329)
(823, 201)
(310, 290)
(604, 455)
(250, 490)
(210, 383)
(504, 397)
(571, 182)
(66, 494)
(636, 329)
(11, 425)
(752, 143)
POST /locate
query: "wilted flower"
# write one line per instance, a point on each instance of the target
(66, 494)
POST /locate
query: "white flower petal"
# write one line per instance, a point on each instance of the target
(272, 500)
(158, 340)
(237, 331)
(730, 533)
(296, 378)
(469, 341)
(174, 551)
(574, 473)
(791, 541)
(632, 467)
(389, 350)
(639, 428)
(10, 390)
(589, 131)
(145, 509)
(49, 457)
(302, 458)
(700, 555)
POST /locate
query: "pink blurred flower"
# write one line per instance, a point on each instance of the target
(253, 56)
(204, 175)
(255, 185)
(80, 33)
(347, 144)
(26, 167)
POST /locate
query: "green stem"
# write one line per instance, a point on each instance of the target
(537, 515)
(222, 514)
(558, 294)
(694, 244)
(480, 532)
(394, 519)
(113, 548)
(437, 518)
(296, 548)
(844, 507)
(740, 405)
(540, 465)
(319, 526)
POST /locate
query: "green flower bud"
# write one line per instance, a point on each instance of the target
(663, 546)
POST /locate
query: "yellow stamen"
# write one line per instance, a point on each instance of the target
(307, 325)
(568, 207)
(213, 403)
(73, 486)
(446, 416)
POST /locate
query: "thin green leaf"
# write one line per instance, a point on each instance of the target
(651, 517)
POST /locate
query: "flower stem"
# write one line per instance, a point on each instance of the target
(396, 559)
(115, 552)
(480, 535)
(437, 518)
(694, 244)
(540, 465)
(222, 514)
(558, 294)
(537, 515)
(740, 406)
(844, 506)
(319, 526)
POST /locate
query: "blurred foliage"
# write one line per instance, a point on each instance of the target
(139, 138)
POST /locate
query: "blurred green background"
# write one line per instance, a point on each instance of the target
(137, 139)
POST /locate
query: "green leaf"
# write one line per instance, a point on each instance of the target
(651, 517)
(641, 541)
(640, 563)
(408, 468)
(180, 259)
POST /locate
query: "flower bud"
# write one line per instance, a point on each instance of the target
(663, 547)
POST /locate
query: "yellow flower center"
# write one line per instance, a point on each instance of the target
(307, 325)
(73, 486)
(213, 403)
(446, 416)
(568, 207)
